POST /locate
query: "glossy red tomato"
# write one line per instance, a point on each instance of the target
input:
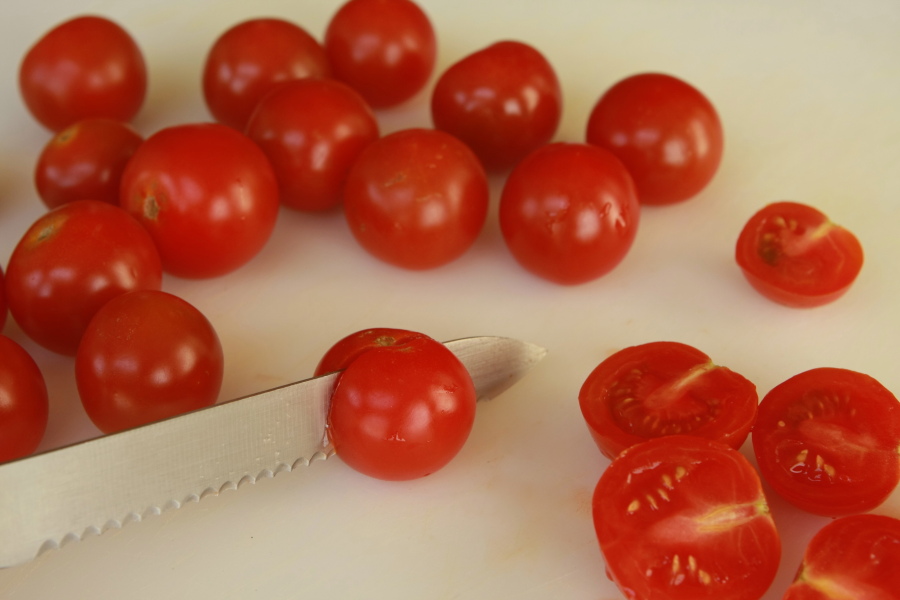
(345, 350)
(85, 161)
(72, 261)
(666, 132)
(3, 309)
(249, 59)
(147, 355)
(569, 212)
(24, 407)
(503, 101)
(86, 67)
(826, 440)
(851, 557)
(206, 193)
(312, 130)
(665, 388)
(792, 254)
(384, 49)
(402, 409)
(685, 518)
(416, 198)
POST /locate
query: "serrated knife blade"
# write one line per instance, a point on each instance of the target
(59, 496)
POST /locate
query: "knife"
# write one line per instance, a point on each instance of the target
(51, 499)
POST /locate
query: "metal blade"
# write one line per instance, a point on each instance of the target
(51, 499)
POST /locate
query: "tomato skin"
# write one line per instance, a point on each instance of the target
(417, 198)
(250, 59)
(792, 254)
(312, 131)
(504, 101)
(72, 261)
(345, 350)
(207, 195)
(3, 308)
(384, 49)
(147, 355)
(665, 388)
(86, 67)
(826, 440)
(24, 406)
(569, 212)
(682, 517)
(665, 131)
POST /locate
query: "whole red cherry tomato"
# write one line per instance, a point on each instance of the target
(503, 101)
(401, 409)
(72, 261)
(147, 355)
(344, 351)
(685, 518)
(569, 212)
(666, 132)
(86, 67)
(384, 49)
(792, 254)
(249, 59)
(3, 309)
(312, 130)
(826, 440)
(416, 198)
(665, 388)
(206, 193)
(85, 161)
(24, 407)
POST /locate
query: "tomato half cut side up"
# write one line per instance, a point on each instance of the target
(682, 517)
(665, 388)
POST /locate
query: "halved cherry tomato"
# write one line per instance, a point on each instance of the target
(827, 441)
(792, 254)
(685, 518)
(24, 407)
(665, 388)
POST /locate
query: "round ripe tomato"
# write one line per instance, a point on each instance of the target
(384, 49)
(147, 355)
(402, 409)
(344, 351)
(249, 59)
(503, 101)
(665, 388)
(86, 67)
(665, 131)
(569, 212)
(206, 193)
(3, 309)
(792, 254)
(851, 557)
(416, 198)
(24, 407)
(85, 162)
(312, 130)
(682, 517)
(72, 261)
(826, 440)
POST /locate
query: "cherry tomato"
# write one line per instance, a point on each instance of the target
(147, 355)
(851, 557)
(249, 59)
(86, 67)
(207, 195)
(344, 351)
(665, 388)
(792, 254)
(503, 101)
(72, 261)
(666, 132)
(569, 212)
(685, 518)
(401, 409)
(85, 161)
(826, 440)
(3, 309)
(416, 198)
(384, 49)
(312, 131)
(24, 407)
